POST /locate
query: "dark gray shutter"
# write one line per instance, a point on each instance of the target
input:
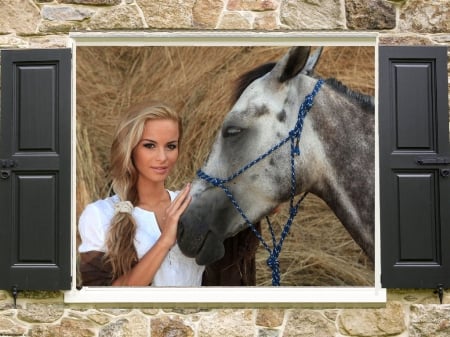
(414, 167)
(35, 169)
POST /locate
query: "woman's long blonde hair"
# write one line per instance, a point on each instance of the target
(120, 250)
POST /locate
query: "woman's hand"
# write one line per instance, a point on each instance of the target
(143, 272)
(173, 214)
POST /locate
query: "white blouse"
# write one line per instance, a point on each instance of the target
(176, 269)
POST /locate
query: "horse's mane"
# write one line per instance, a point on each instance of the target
(247, 78)
(365, 101)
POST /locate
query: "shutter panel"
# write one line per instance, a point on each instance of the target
(414, 176)
(35, 176)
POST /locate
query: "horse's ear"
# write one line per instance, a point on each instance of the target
(291, 64)
(308, 69)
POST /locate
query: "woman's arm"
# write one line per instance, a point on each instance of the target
(143, 272)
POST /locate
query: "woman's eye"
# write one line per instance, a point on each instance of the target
(231, 131)
(172, 146)
(149, 145)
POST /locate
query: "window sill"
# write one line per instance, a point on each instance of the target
(218, 296)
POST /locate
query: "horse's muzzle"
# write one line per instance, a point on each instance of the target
(205, 246)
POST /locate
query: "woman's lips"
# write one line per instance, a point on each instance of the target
(160, 170)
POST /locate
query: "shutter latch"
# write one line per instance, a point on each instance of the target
(433, 160)
(15, 292)
(8, 163)
(440, 291)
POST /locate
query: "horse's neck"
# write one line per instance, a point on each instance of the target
(346, 184)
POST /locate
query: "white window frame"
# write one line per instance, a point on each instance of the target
(218, 296)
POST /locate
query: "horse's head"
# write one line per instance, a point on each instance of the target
(264, 113)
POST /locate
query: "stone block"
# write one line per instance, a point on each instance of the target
(228, 322)
(429, 320)
(425, 16)
(269, 333)
(312, 14)
(121, 327)
(92, 2)
(308, 323)
(370, 14)
(235, 20)
(20, 17)
(206, 13)
(119, 17)
(65, 13)
(9, 327)
(40, 313)
(266, 21)
(57, 27)
(270, 318)
(71, 327)
(48, 41)
(167, 13)
(253, 5)
(387, 321)
(170, 326)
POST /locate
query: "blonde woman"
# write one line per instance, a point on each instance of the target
(129, 239)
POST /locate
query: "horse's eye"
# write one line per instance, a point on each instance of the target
(231, 131)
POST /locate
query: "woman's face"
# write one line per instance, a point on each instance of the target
(157, 152)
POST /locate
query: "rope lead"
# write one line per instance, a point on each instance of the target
(274, 265)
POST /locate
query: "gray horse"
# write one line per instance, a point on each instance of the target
(336, 160)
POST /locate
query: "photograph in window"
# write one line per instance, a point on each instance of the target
(225, 166)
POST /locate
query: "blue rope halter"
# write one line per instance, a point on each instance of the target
(294, 138)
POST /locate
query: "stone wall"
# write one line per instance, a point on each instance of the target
(43, 314)
(46, 23)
